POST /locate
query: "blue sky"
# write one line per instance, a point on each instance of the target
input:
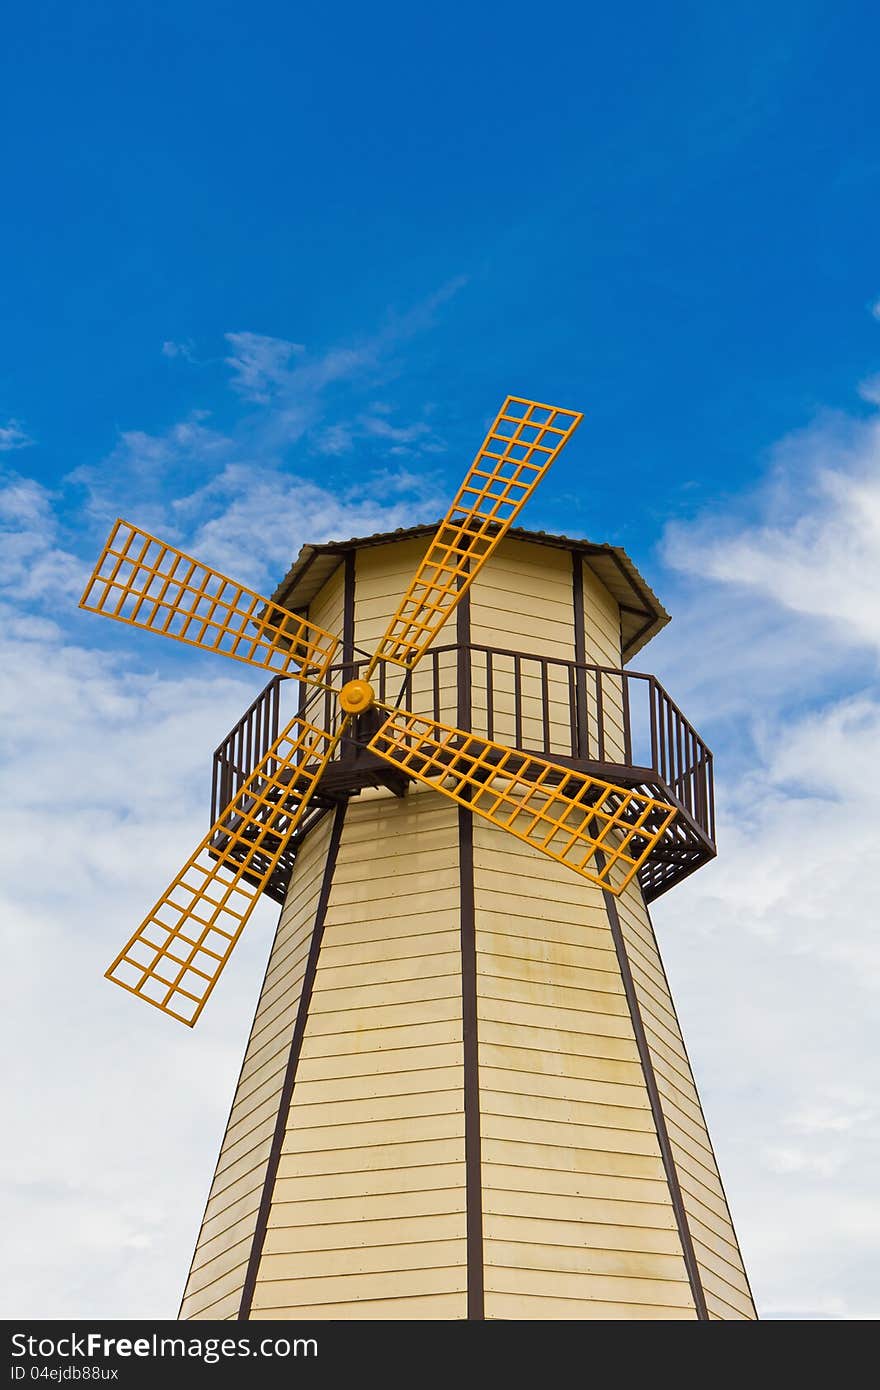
(269, 272)
(664, 215)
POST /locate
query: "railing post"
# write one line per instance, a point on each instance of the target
(545, 705)
(627, 719)
(678, 756)
(670, 740)
(581, 721)
(582, 750)
(517, 700)
(653, 703)
(463, 663)
(490, 696)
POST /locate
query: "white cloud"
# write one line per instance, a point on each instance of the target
(33, 565)
(106, 773)
(151, 454)
(237, 540)
(875, 309)
(12, 436)
(816, 549)
(143, 470)
(773, 950)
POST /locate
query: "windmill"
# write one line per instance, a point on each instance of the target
(439, 1219)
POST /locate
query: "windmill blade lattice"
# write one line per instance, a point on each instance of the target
(602, 831)
(175, 957)
(523, 441)
(149, 584)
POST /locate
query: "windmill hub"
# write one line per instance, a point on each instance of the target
(356, 697)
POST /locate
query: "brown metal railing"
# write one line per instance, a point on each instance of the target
(246, 744)
(561, 709)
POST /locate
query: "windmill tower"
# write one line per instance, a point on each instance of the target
(465, 1092)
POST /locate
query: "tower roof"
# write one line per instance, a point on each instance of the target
(642, 614)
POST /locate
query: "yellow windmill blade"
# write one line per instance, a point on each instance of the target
(602, 831)
(149, 584)
(177, 953)
(523, 441)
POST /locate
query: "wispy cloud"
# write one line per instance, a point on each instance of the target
(12, 436)
(184, 349)
(299, 387)
(260, 365)
(869, 389)
(150, 454)
(304, 408)
(399, 441)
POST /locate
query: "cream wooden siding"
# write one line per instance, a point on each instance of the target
(368, 1212)
(602, 624)
(215, 1282)
(382, 575)
(578, 1220)
(522, 601)
(327, 607)
(715, 1244)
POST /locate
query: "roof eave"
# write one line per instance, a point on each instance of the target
(641, 620)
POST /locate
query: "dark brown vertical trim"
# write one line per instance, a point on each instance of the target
(348, 750)
(471, 1047)
(299, 1029)
(472, 1142)
(463, 638)
(348, 611)
(580, 655)
(684, 1234)
(580, 625)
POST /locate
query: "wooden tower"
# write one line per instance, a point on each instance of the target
(465, 1092)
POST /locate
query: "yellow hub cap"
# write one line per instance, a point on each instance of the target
(356, 697)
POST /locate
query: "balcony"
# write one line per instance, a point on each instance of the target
(618, 725)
